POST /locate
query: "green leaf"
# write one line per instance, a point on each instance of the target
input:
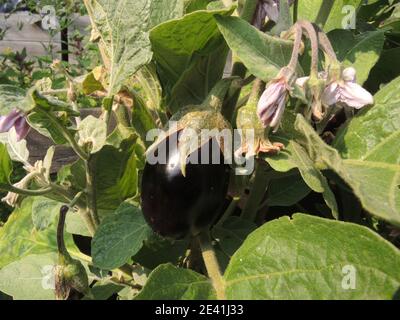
(157, 250)
(373, 128)
(19, 237)
(329, 14)
(44, 211)
(168, 282)
(195, 5)
(309, 257)
(46, 126)
(92, 131)
(231, 234)
(48, 103)
(361, 51)
(11, 97)
(119, 237)
(31, 278)
(164, 10)
(287, 190)
(103, 290)
(384, 70)
(116, 171)
(122, 30)
(295, 156)
(373, 179)
(182, 49)
(5, 165)
(262, 54)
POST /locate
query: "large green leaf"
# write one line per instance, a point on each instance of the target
(361, 51)
(122, 30)
(5, 165)
(190, 56)
(308, 257)
(329, 14)
(375, 178)
(262, 54)
(375, 128)
(119, 237)
(44, 211)
(31, 278)
(19, 237)
(168, 282)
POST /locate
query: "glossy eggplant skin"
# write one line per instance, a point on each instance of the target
(175, 205)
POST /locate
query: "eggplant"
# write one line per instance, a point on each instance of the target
(175, 205)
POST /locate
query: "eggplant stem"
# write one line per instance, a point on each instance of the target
(212, 266)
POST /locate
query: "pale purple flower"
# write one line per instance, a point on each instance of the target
(17, 120)
(347, 91)
(271, 105)
(267, 8)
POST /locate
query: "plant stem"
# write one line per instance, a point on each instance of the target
(296, 48)
(26, 192)
(260, 184)
(295, 10)
(312, 35)
(228, 212)
(91, 192)
(238, 69)
(212, 266)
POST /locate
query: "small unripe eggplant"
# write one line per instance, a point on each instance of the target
(175, 205)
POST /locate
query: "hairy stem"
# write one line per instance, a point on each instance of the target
(212, 266)
(228, 212)
(296, 48)
(91, 205)
(25, 192)
(312, 35)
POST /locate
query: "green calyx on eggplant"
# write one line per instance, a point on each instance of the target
(184, 194)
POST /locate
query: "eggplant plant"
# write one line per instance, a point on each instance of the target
(244, 150)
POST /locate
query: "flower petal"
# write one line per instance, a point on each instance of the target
(349, 74)
(355, 96)
(330, 95)
(21, 128)
(8, 121)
